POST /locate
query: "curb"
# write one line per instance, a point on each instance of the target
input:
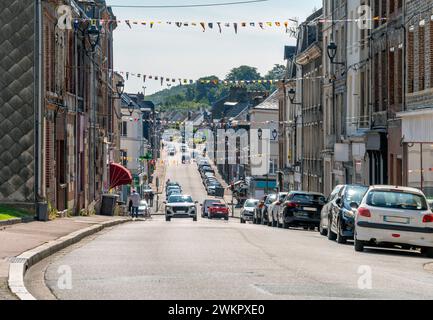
(19, 265)
(10, 222)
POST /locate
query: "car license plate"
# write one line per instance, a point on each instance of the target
(181, 211)
(401, 220)
(310, 209)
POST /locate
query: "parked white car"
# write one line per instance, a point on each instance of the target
(274, 207)
(390, 216)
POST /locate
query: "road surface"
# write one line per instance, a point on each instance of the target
(207, 259)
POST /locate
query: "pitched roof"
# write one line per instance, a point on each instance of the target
(270, 103)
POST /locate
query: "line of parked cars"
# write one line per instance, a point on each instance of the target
(375, 216)
(207, 174)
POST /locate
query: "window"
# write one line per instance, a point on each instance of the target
(421, 63)
(124, 132)
(410, 65)
(396, 200)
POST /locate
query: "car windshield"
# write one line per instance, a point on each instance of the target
(354, 194)
(178, 199)
(251, 203)
(308, 198)
(396, 200)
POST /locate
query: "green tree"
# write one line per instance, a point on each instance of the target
(243, 73)
(277, 72)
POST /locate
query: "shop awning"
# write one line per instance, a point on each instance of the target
(119, 175)
(417, 125)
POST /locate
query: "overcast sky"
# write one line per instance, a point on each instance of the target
(190, 53)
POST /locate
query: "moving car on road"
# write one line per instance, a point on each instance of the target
(247, 211)
(390, 216)
(301, 209)
(205, 206)
(218, 210)
(341, 214)
(180, 206)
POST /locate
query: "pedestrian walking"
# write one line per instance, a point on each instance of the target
(135, 199)
(151, 196)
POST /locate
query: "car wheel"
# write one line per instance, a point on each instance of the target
(428, 252)
(340, 238)
(167, 219)
(242, 220)
(194, 219)
(331, 235)
(285, 225)
(323, 232)
(226, 218)
(359, 245)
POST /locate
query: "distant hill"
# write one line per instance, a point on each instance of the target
(202, 95)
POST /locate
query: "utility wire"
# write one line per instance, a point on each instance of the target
(189, 5)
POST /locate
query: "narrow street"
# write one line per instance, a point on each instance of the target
(211, 259)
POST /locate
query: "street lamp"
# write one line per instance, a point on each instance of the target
(120, 87)
(332, 53)
(131, 108)
(93, 35)
(260, 134)
(292, 96)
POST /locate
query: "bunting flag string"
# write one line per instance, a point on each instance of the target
(172, 80)
(290, 25)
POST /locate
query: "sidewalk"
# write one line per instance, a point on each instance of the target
(19, 238)
(160, 172)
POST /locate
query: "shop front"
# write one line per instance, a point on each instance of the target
(417, 137)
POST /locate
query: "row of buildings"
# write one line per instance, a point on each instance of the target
(355, 105)
(63, 115)
(357, 102)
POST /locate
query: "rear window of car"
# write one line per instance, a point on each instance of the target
(209, 203)
(218, 205)
(308, 198)
(396, 200)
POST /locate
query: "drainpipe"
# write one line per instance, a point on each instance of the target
(39, 116)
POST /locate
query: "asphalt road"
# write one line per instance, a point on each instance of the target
(206, 259)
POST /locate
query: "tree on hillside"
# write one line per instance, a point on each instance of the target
(243, 73)
(277, 72)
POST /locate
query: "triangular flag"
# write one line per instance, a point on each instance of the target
(179, 24)
(252, 24)
(261, 24)
(151, 24)
(129, 25)
(162, 80)
(269, 24)
(244, 24)
(203, 26)
(210, 25)
(144, 78)
(236, 27)
(127, 75)
(277, 24)
(219, 26)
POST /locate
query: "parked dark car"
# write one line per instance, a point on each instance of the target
(301, 209)
(205, 206)
(341, 214)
